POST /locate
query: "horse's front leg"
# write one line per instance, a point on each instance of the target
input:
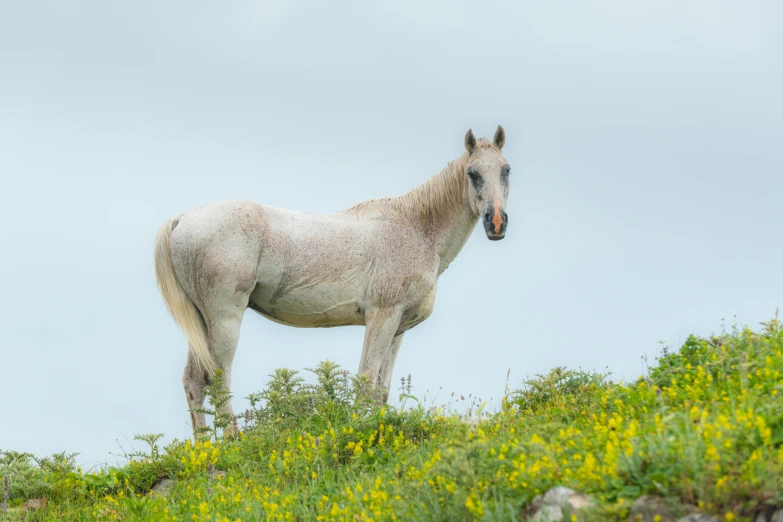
(387, 368)
(382, 325)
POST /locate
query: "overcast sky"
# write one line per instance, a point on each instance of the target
(644, 138)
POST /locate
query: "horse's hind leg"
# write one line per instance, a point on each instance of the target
(194, 382)
(215, 253)
(224, 321)
(223, 336)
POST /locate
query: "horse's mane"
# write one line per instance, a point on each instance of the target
(436, 197)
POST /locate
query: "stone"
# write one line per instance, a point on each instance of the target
(566, 498)
(557, 502)
(537, 503)
(698, 517)
(548, 514)
(769, 514)
(578, 501)
(34, 503)
(647, 507)
(214, 473)
(558, 496)
(162, 488)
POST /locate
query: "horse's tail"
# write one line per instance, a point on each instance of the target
(181, 307)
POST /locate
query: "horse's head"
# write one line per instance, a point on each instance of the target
(488, 171)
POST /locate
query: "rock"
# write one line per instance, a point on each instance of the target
(548, 514)
(34, 503)
(536, 504)
(768, 514)
(556, 503)
(162, 488)
(647, 507)
(558, 496)
(566, 498)
(214, 473)
(698, 517)
(578, 501)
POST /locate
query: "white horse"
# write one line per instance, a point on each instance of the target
(375, 264)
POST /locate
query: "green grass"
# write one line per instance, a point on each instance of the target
(703, 428)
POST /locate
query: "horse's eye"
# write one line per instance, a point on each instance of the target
(475, 179)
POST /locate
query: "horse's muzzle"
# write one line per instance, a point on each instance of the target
(495, 222)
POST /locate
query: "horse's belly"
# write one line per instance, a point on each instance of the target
(310, 308)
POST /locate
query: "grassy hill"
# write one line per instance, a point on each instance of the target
(704, 428)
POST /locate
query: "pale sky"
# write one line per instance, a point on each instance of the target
(644, 139)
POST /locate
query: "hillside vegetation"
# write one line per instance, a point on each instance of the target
(703, 428)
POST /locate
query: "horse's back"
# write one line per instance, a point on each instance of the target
(220, 217)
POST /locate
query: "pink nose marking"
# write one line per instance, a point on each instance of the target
(497, 220)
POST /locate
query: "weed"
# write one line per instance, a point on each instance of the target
(703, 427)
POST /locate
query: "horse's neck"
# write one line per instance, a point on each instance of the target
(450, 238)
(438, 208)
(447, 218)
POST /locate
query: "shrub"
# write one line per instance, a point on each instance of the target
(704, 427)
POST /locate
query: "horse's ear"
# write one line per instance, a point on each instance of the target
(470, 141)
(500, 137)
